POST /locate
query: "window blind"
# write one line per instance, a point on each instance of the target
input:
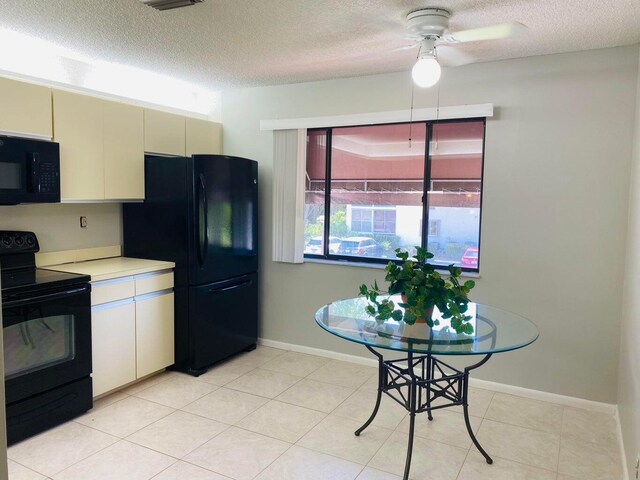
(289, 167)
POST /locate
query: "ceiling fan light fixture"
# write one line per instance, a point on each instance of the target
(426, 72)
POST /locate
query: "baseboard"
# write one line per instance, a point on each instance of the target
(345, 357)
(474, 382)
(558, 399)
(623, 453)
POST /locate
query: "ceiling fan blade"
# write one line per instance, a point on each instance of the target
(493, 32)
(452, 57)
(405, 48)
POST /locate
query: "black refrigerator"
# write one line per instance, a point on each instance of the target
(201, 212)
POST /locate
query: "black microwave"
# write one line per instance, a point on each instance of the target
(29, 171)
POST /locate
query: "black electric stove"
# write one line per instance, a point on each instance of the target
(46, 321)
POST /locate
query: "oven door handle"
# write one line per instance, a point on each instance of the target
(47, 298)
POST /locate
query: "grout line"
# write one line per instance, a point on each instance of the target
(275, 459)
(464, 461)
(85, 458)
(204, 468)
(163, 470)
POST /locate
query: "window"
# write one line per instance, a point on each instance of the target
(370, 190)
(372, 219)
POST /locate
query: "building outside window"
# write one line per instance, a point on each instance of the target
(381, 191)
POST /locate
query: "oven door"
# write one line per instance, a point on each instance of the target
(47, 340)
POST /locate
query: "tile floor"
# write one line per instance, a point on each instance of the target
(277, 415)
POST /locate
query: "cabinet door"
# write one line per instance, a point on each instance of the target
(113, 343)
(164, 133)
(154, 333)
(78, 127)
(203, 137)
(26, 108)
(123, 152)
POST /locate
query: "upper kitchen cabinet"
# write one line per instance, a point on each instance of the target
(203, 136)
(123, 151)
(26, 109)
(78, 127)
(101, 148)
(164, 133)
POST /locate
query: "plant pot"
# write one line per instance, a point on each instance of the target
(427, 313)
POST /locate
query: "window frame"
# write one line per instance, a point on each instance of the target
(426, 185)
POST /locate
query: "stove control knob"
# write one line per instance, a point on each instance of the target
(6, 241)
(30, 240)
(19, 241)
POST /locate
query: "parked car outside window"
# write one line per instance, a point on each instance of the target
(470, 258)
(360, 246)
(315, 245)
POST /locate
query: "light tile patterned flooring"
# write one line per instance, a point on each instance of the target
(277, 415)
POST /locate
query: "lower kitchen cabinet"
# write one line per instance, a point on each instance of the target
(154, 333)
(132, 334)
(113, 334)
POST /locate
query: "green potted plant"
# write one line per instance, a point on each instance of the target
(421, 288)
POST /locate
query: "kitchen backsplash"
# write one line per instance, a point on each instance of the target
(57, 226)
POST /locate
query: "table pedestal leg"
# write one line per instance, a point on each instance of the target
(465, 407)
(395, 378)
(381, 375)
(413, 393)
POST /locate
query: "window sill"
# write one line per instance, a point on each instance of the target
(379, 266)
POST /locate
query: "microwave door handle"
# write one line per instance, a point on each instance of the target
(35, 172)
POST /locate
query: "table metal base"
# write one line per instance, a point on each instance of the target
(416, 382)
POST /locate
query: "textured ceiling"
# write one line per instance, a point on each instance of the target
(230, 43)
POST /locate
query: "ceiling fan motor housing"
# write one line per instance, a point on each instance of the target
(427, 23)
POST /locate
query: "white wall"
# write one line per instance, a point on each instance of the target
(57, 226)
(555, 206)
(629, 375)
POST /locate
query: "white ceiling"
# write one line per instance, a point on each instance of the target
(231, 43)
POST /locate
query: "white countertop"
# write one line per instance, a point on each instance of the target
(108, 268)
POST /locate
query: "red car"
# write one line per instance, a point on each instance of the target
(470, 258)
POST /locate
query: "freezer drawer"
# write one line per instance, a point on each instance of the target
(224, 319)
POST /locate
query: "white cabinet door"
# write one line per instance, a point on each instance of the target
(78, 127)
(113, 342)
(123, 152)
(25, 108)
(203, 136)
(154, 333)
(164, 133)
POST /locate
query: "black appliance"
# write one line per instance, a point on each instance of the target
(29, 171)
(201, 212)
(46, 325)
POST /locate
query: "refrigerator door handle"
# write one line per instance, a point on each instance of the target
(203, 221)
(233, 287)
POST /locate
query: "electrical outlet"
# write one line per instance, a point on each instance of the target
(83, 222)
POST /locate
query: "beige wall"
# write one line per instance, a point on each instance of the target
(57, 226)
(555, 206)
(629, 376)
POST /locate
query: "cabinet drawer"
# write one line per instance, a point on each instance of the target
(154, 283)
(112, 290)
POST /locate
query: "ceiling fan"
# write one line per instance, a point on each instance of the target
(430, 27)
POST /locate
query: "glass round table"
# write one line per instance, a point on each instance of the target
(420, 381)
